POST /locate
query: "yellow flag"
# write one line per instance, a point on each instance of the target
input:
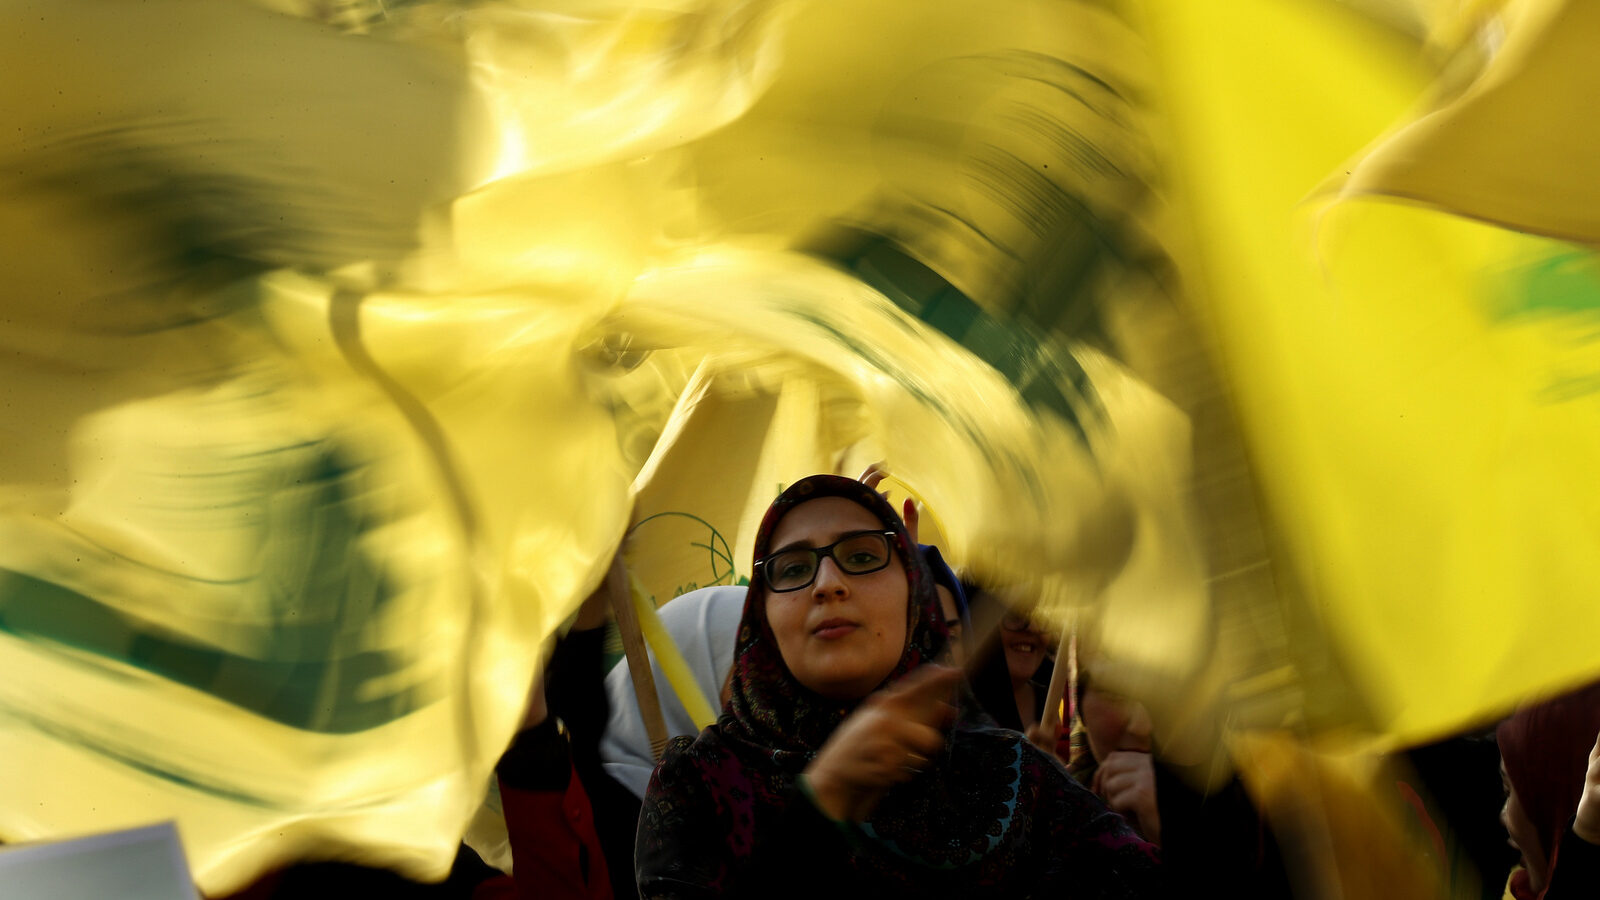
(1516, 147)
(343, 349)
(1413, 386)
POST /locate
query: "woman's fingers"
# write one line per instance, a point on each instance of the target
(873, 475)
(897, 743)
(1127, 782)
(923, 740)
(1122, 775)
(925, 694)
(1126, 764)
(1118, 785)
(1586, 823)
(1127, 760)
(888, 740)
(1043, 738)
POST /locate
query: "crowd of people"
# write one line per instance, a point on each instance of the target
(869, 743)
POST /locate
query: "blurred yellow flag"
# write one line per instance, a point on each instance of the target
(345, 346)
(1516, 145)
(1416, 389)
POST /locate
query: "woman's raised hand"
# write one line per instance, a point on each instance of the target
(872, 476)
(888, 739)
(1587, 823)
(1126, 780)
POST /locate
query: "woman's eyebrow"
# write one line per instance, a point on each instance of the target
(806, 544)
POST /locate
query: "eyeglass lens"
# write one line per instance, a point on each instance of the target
(856, 554)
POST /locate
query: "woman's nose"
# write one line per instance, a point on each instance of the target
(1139, 726)
(830, 580)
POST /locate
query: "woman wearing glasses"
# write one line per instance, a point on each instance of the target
(842, 762)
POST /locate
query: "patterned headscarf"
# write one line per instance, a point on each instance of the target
(991, 811)
(768, 707)
(1545, 748)
(946, 576)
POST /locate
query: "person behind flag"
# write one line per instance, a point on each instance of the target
(1550, 760)
(1012, 679)
(1216, 840)
(841, 762)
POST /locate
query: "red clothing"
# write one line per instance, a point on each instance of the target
(555, 850)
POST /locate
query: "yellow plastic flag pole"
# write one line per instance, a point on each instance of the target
(673, 665)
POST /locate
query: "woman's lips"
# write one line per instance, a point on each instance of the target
(833, 629)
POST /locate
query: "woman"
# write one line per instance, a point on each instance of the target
(952, 605)
(836, 766)
(1214, 842)
(1551, 761)
(704, 625)
(1012, 680)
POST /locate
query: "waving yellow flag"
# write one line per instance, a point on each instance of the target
(1412, 385)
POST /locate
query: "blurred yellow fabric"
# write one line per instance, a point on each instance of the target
(1414, 387)
(345, 344)
(342, 361)
(1516, 146)
(1337, 813)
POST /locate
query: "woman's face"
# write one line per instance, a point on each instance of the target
(844, 634)
(955, 651)
(1114, 723)
(1523, 836)
(1025, 642)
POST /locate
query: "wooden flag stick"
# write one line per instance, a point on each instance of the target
(633, 647)
(1050, 718)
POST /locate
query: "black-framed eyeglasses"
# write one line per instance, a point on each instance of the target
(859, 553)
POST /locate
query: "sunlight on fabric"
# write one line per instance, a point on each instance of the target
(345, 345)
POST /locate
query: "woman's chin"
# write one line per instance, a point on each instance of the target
(843, 683)
(843, 691)
(1022, 666)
